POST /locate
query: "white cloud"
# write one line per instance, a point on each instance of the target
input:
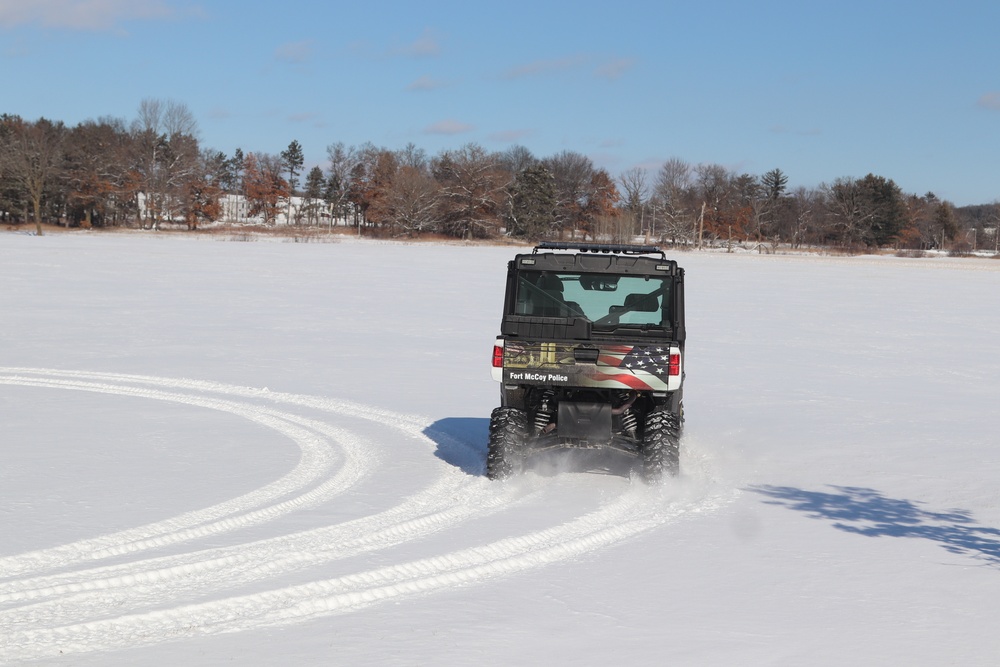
(427, 45)
(425, 83)
(303, 117)
(295, 52)
(448, 127)
(536, 67)
(81, 14)
(990, 100)
(614, 69)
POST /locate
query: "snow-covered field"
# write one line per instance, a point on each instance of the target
(272, 453)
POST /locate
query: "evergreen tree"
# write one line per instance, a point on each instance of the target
(532, 203)
(315, 184)
(945, 223)
(292, 159)
(232, 172)
(885, 210)
(774, 183)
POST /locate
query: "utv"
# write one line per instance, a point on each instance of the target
(590, 355)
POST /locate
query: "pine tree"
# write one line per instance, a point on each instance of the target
(944, 221)
(774, 183)
(315, 182)
(885, 218)
(292, 159)
(532, 203)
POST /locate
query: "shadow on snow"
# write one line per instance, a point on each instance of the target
(461, 442)
(867, 512)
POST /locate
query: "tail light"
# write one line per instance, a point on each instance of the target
(498, 356)
(675, 364)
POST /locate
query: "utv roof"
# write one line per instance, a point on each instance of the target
(618, 248)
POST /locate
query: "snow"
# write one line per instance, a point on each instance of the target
(272, 453)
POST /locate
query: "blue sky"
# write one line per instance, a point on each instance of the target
(821, 90)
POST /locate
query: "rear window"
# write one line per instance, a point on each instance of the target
(609, 301)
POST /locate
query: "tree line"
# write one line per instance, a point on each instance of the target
(153, 170)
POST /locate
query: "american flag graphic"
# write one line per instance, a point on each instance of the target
(633, 365)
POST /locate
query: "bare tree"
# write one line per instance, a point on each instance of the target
(761, 210)
(178, 120)
(717, 191)
(371, 172)
(373, 185)
(343, 160)
(806, 206)
(473, 192)
(870, 210)
(516, 159)
(412, 156)
(571, 173)
(408, 204)
(202, 191)
(673, 191)
(149, 116)
(264, 186)
(94, 172)
(635, 187)
(601, 210)
(993, 218)
(845, 208)
(166, 156)
(31, 157)
(166, 117)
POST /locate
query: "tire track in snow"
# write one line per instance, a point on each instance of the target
(68, 611)
(165, 578)
(619, 520)
(258, 506)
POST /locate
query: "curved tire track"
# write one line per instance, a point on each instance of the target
(155, 599)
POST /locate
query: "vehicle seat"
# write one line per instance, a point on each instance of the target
(551, 304)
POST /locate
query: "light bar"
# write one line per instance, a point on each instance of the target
(620, 248)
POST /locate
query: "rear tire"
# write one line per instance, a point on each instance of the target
(661, 446)
(508, 430)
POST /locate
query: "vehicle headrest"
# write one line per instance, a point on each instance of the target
(550, 283)
(644, 303)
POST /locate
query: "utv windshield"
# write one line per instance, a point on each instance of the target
(609, 301)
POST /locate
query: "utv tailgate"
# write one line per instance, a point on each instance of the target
(644, 367)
